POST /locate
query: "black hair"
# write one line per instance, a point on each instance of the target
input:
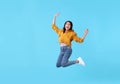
(70, 26)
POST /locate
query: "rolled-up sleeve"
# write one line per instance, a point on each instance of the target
(77, 39)
(55, 28)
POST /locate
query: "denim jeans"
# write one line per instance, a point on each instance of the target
(63, 59)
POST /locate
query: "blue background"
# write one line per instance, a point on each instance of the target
(29, 47)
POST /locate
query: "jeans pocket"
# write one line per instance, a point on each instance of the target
(69, 50)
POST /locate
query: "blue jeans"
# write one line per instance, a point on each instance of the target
(63, 59)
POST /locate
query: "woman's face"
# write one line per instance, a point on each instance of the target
(67, 26)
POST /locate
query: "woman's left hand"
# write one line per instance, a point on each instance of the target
(86, 32)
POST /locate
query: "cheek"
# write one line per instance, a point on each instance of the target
(65, 26)
(69, 26)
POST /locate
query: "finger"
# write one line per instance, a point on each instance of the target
(58, 14)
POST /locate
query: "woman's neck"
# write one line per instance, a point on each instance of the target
(66, 30)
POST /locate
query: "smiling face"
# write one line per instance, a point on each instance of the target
(67, 26)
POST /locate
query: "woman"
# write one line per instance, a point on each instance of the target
(66, 36)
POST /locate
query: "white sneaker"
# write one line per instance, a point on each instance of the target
(81, 61)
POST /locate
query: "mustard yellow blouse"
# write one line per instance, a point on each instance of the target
(66, 37)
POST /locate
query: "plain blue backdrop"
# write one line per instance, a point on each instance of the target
(29, 47)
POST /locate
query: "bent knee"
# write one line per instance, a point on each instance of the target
(58, 65)
(63, 64)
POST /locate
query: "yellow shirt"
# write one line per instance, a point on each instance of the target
(66, 37)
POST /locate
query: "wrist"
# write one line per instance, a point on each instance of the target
(83, 38)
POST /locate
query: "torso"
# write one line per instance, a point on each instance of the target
(63, 44)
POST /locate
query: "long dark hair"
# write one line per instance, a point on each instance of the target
(70, 26)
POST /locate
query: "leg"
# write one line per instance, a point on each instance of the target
(58, 64)
(65, 62)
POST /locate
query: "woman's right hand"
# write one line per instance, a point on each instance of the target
(57, 14)
(54, 19)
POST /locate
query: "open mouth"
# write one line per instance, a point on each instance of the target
(67, 27)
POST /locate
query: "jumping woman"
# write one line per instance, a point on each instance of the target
(66, 36)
